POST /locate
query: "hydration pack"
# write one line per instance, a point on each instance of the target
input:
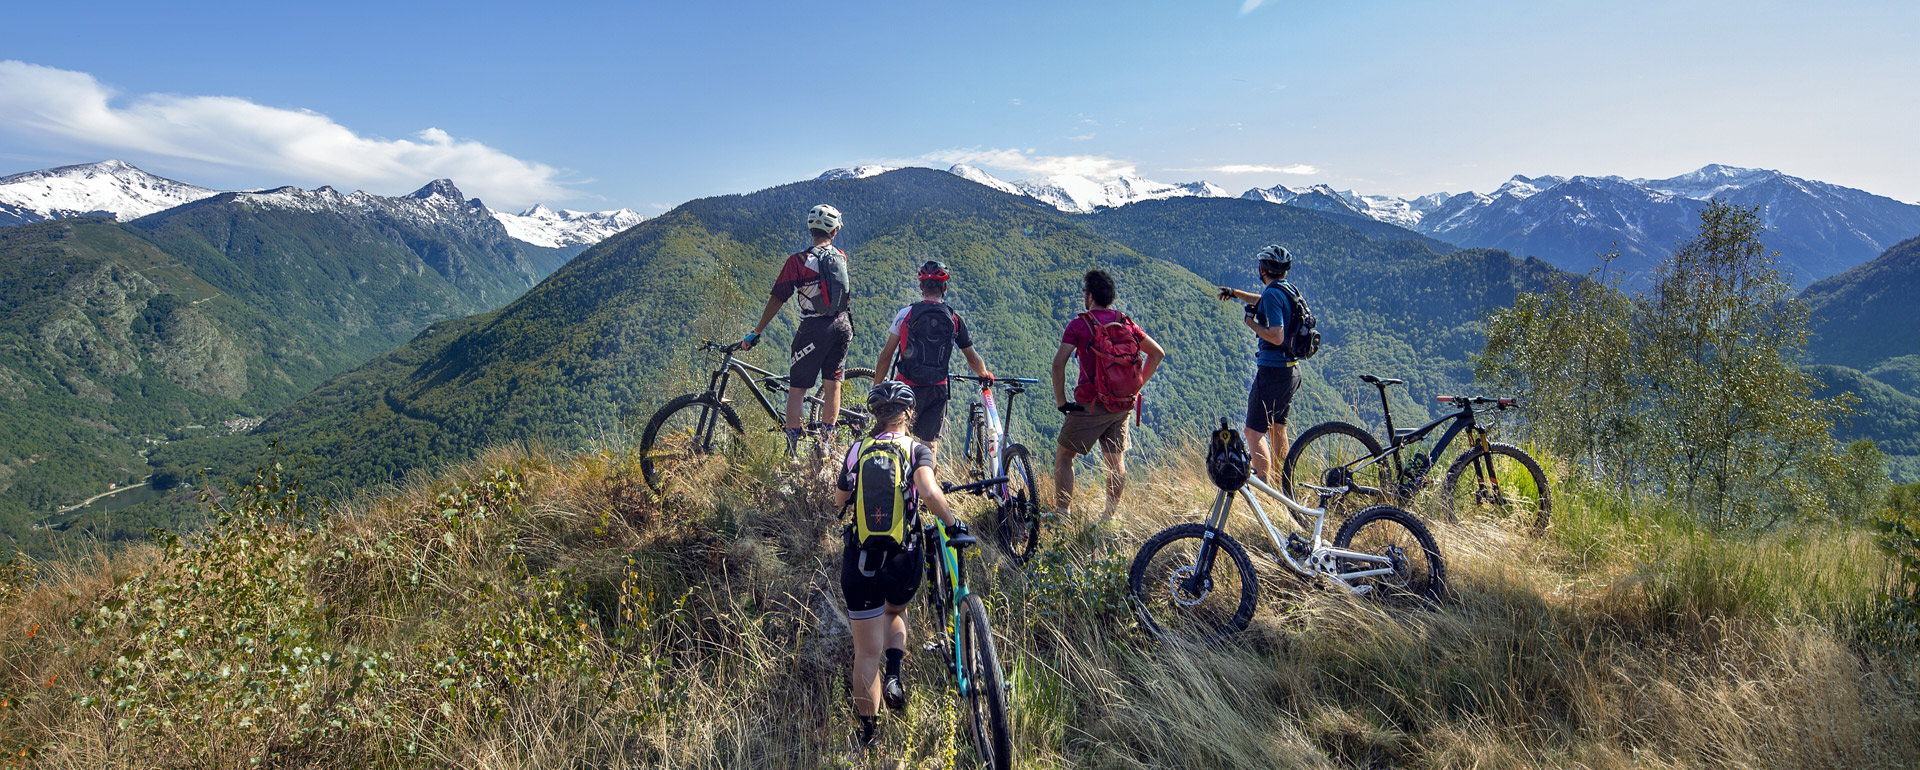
(926, 342)
(1117, 362)
(834, 287)
(1302, 339)
(882, 473)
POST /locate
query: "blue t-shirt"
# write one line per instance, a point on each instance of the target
(1272, 311)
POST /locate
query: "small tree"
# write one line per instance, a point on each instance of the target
(1565, 354)
(1688, 390)
(1733, 427)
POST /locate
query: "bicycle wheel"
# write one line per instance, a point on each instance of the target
(1019, 524)
(688, 430)
(1323, 448)
(976, 449)
(986, 687)
(1505, 483)
(1419, 575)
(1161, 585)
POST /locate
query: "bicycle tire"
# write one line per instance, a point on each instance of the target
(654, 457)
(987, 692)
(1150, 584)
(1018, 525)
(853, 399)
(1422, 579)
(1320, 448)
(976, 449)
(1524, 504)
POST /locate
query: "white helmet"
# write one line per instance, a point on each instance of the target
(823, 217)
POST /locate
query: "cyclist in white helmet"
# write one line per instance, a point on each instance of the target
(819, 277)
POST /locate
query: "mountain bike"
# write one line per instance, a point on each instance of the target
(1488, 479)
(1195, 583)
(968, 647)
(991, 452)
(697, 426)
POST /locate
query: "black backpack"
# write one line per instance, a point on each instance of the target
(926, 342)
(1302, 339)
(833, 279)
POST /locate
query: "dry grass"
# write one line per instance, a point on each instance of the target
(582, 623)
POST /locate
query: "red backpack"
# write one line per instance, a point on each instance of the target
(1117, 362)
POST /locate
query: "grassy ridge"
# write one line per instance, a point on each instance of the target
(532, 611)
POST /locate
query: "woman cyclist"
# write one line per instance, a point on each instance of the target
(878, 593)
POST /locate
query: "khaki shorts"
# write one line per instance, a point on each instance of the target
(1081, 429)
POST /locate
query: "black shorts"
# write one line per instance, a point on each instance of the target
(1272, 396)
(820, 350)
(930, 411)
(895, 579)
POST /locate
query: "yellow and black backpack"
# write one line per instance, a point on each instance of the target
(882, 473)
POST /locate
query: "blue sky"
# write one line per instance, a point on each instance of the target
(647, 105)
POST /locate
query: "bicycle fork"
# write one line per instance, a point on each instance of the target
(1199, 579)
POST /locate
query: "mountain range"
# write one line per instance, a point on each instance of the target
(1819, 229)
(117, 189)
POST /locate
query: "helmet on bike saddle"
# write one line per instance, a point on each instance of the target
(1275, 254)
(823, 217)
(934, 270)
(889, 392)
(1228, 463)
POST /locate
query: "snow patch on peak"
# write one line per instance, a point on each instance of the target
(542, 226)
(1710, 181)
(108, 187)
(438, 188)
(977, 176)
(1522, 188)
(854, 172)
(1082, 195)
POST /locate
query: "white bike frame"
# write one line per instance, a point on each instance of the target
(1323, 559)
(995, 443)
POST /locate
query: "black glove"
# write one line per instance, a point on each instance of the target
(1225, 293)
(1071, 406)
(1253, 312)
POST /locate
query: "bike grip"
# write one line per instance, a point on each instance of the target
(1444, 399)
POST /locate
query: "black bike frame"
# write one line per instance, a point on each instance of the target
(1462, 420)
(769, 382)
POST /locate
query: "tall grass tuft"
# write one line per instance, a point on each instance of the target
(532, 610)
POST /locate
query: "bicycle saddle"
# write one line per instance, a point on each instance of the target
(1380, 381)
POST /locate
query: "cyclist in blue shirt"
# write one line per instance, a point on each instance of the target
(1277, 375)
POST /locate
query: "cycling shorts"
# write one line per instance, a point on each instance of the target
(895, 578)
(1272, 396)
(820, 350)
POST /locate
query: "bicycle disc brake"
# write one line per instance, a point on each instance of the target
(1179, 580)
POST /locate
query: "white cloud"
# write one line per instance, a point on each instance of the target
(73, 108)
(1243, 168)
(1026, 163)
(1247, 6)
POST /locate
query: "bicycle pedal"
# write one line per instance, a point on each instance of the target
(930, 647)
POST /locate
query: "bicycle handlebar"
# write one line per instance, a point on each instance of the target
(711, 345)
(975, 488)
(977, 378)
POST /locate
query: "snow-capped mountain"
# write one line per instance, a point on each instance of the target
(854, 172)
(119, 189)
(542, 226)
(977, 176)
(1079, 194)
(1820, 229)
(108, 187)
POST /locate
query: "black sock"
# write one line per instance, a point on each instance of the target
(869, 726)
(893, 661)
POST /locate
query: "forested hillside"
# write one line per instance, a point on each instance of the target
(117, 339)
(1864, 333)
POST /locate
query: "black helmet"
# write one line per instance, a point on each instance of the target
(1228, 463)
(934, 270)
(1276, 254)
(889, 392)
